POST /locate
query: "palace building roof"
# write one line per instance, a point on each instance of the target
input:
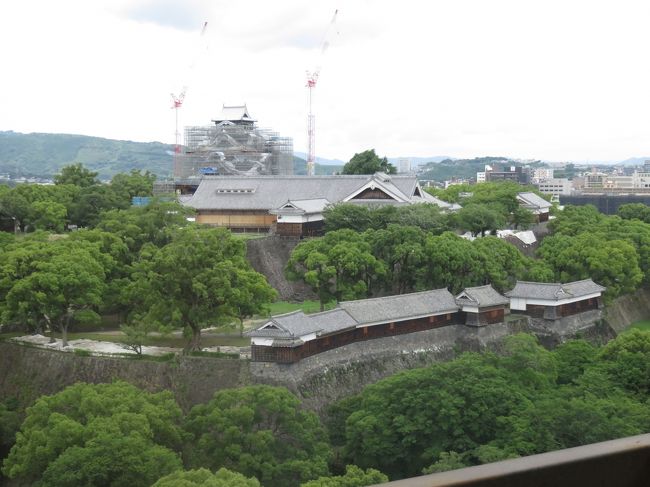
(554, 291)
(272, 192)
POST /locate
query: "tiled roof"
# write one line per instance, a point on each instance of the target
(316, 205)
(482, 296)
(350, 314)
(271, 192)
(554, 291)
(400, 307)
(533, 200)
(234, 113)
(293, 325)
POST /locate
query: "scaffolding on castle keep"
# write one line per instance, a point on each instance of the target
(238, 149)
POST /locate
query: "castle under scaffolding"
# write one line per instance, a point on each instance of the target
(234, 145)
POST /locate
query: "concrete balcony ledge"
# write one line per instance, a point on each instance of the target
(617, 463)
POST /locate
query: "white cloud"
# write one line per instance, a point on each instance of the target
(555, 79)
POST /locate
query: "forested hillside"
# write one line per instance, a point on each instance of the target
(43, 155)
(461, 168)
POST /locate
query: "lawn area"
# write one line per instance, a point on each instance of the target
(228, 337)
(641, 325)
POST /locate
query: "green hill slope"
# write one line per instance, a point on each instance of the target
(43, 155)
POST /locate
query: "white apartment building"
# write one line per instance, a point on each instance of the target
(555, 187)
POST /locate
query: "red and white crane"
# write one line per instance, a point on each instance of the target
(177, 103)
(312, 78)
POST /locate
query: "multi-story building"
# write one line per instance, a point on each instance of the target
(234, 145)
(555, 187)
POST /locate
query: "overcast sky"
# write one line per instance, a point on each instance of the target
(553, 79)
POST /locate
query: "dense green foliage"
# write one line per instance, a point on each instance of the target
(106, 434)
(613, 251)
(259, 431)
(338, 266)
(362, 218)
(353, 477)
(633, 211)
(200, 278)
(44, 155)
(475, 409)
(368, 162)
(76, 199)
(204, 478)
(146, 263)
(346, 265)
(484, 407)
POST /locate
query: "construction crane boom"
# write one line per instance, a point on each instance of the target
(177, 104)
(312, 79)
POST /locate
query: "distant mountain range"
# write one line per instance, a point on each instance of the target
(43, 155)
(415, 161)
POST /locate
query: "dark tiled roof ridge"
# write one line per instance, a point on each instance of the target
(391, 296)
(288, 313)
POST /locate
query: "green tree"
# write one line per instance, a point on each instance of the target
(406, 421)
(401, 249)
(197, 280)
(338, 266)
(522, 218)
(501, 263)
(612, 263)
(446, 461)
(450, 261)
(59, 289)
(479, 218)
(251, 295)
(353, 477)
(368, 162)
(155, 223)
(347, 215)
(631, 211)
(259, 431)
(576, 219)
(204, 478)
(573, 357)
(10, 419)
(135, 183)
(77, 175)
(49, 215)
(86, 210)
(628, 361)
(15, 207)
(97, 434)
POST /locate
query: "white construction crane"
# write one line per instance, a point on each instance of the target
(312, 78)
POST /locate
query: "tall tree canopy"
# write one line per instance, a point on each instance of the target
(77, 175)
(202, 477)
(259, 431)
(481, 408)
(338, 266)
(52, 283)
(367, 162)
(97, 435)
(200, 278)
